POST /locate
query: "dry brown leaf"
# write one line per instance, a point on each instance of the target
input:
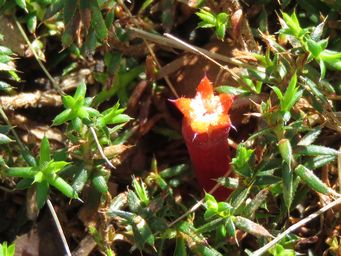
(113, 150)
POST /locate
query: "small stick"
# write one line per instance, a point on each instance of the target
(200, 52)
(59, 228)
(99, 147)
(172, 43)
(334, 97)
(292, 228)
(85, 247)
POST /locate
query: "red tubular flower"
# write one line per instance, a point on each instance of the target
(205, 128)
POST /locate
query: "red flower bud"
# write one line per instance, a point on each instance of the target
(205, 128)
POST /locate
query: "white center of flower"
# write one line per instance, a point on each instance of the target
(206, 110)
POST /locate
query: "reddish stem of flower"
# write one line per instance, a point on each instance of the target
(210, 156)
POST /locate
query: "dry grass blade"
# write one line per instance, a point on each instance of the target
(175, 43)
(203, 53)
(100, 149)
(59, 227)
(302, 222)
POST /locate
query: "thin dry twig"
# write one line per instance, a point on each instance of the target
(334, 97)
(85, 247)
(99, 147)
(170, 42)
(59, 227)
(200, 52)
(292, 228)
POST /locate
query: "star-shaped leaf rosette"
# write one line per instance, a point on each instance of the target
(205, 128)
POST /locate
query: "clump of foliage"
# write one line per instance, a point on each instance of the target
(275, 168)
(219, 21)
(7, 250)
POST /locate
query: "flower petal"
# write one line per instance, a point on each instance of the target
(226, 101)
(206, 111)
(184, 105)
(205, 88)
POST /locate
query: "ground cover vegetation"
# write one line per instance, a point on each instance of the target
(170, 127)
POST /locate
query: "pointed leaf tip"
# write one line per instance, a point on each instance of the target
(44, 155)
